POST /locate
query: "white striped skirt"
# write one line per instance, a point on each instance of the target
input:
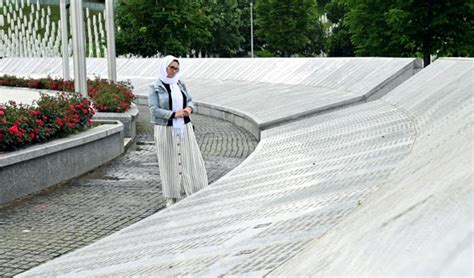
(180, 161)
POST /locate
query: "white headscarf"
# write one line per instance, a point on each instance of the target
(176, 95)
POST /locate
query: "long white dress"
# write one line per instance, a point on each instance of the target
(180, 161)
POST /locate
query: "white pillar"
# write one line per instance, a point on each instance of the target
(65, 51)
(112, 68)
(79, 58)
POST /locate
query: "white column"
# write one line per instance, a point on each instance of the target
(65, 51)
(79, 58)
(112, 68)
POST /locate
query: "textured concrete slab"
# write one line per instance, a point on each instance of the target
(421, 222)
(383, 169)
(260, 88)
(296, 185)
(302, 179)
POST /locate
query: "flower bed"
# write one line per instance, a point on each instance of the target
(48, 118)
(105, 96)
(55, 117)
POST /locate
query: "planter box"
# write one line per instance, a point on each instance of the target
(40, 166)
(127, 118)
(27, 95)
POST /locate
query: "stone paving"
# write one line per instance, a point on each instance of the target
(54, 222)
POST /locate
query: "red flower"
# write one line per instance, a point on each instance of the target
(14, 130)
(34, 84)
(2, 113)
(59, 122)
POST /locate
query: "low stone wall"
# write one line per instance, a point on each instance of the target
(236, 117)
(40, 166)
(127, 118)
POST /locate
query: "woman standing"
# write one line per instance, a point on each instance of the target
(179, 158)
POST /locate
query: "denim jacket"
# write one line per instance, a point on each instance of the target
(159, 102)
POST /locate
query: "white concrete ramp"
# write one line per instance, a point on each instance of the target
(302, 179)
(382, 188)
(421, 221)
(262, 92)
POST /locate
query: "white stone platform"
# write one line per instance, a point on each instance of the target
(258, 90)
(420, 223)
(381, 188)
(20, 95)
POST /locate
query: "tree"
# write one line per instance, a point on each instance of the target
(407, 28)
(289, 27)
(148, 27)
(339, 42)
(224, 18)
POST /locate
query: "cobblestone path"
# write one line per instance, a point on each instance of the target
(74, 214)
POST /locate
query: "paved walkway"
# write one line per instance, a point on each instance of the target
(77, 213)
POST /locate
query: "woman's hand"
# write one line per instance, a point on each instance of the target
(183, 113)
(188, 110)
(180, 114)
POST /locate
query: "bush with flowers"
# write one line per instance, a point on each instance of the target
(49, 117)
(110, 97)
(105, 96)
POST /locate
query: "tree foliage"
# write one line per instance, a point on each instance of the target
(289, 27)
(225, 24)
(398, 28)
(339, 43)
(148, 27)
(407, 28)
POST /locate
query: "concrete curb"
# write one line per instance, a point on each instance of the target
(128, 119)
(40, 166)
(236, 117)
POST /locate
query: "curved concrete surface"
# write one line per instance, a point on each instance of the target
(421, 221)
(314, 84)
(382, 176)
